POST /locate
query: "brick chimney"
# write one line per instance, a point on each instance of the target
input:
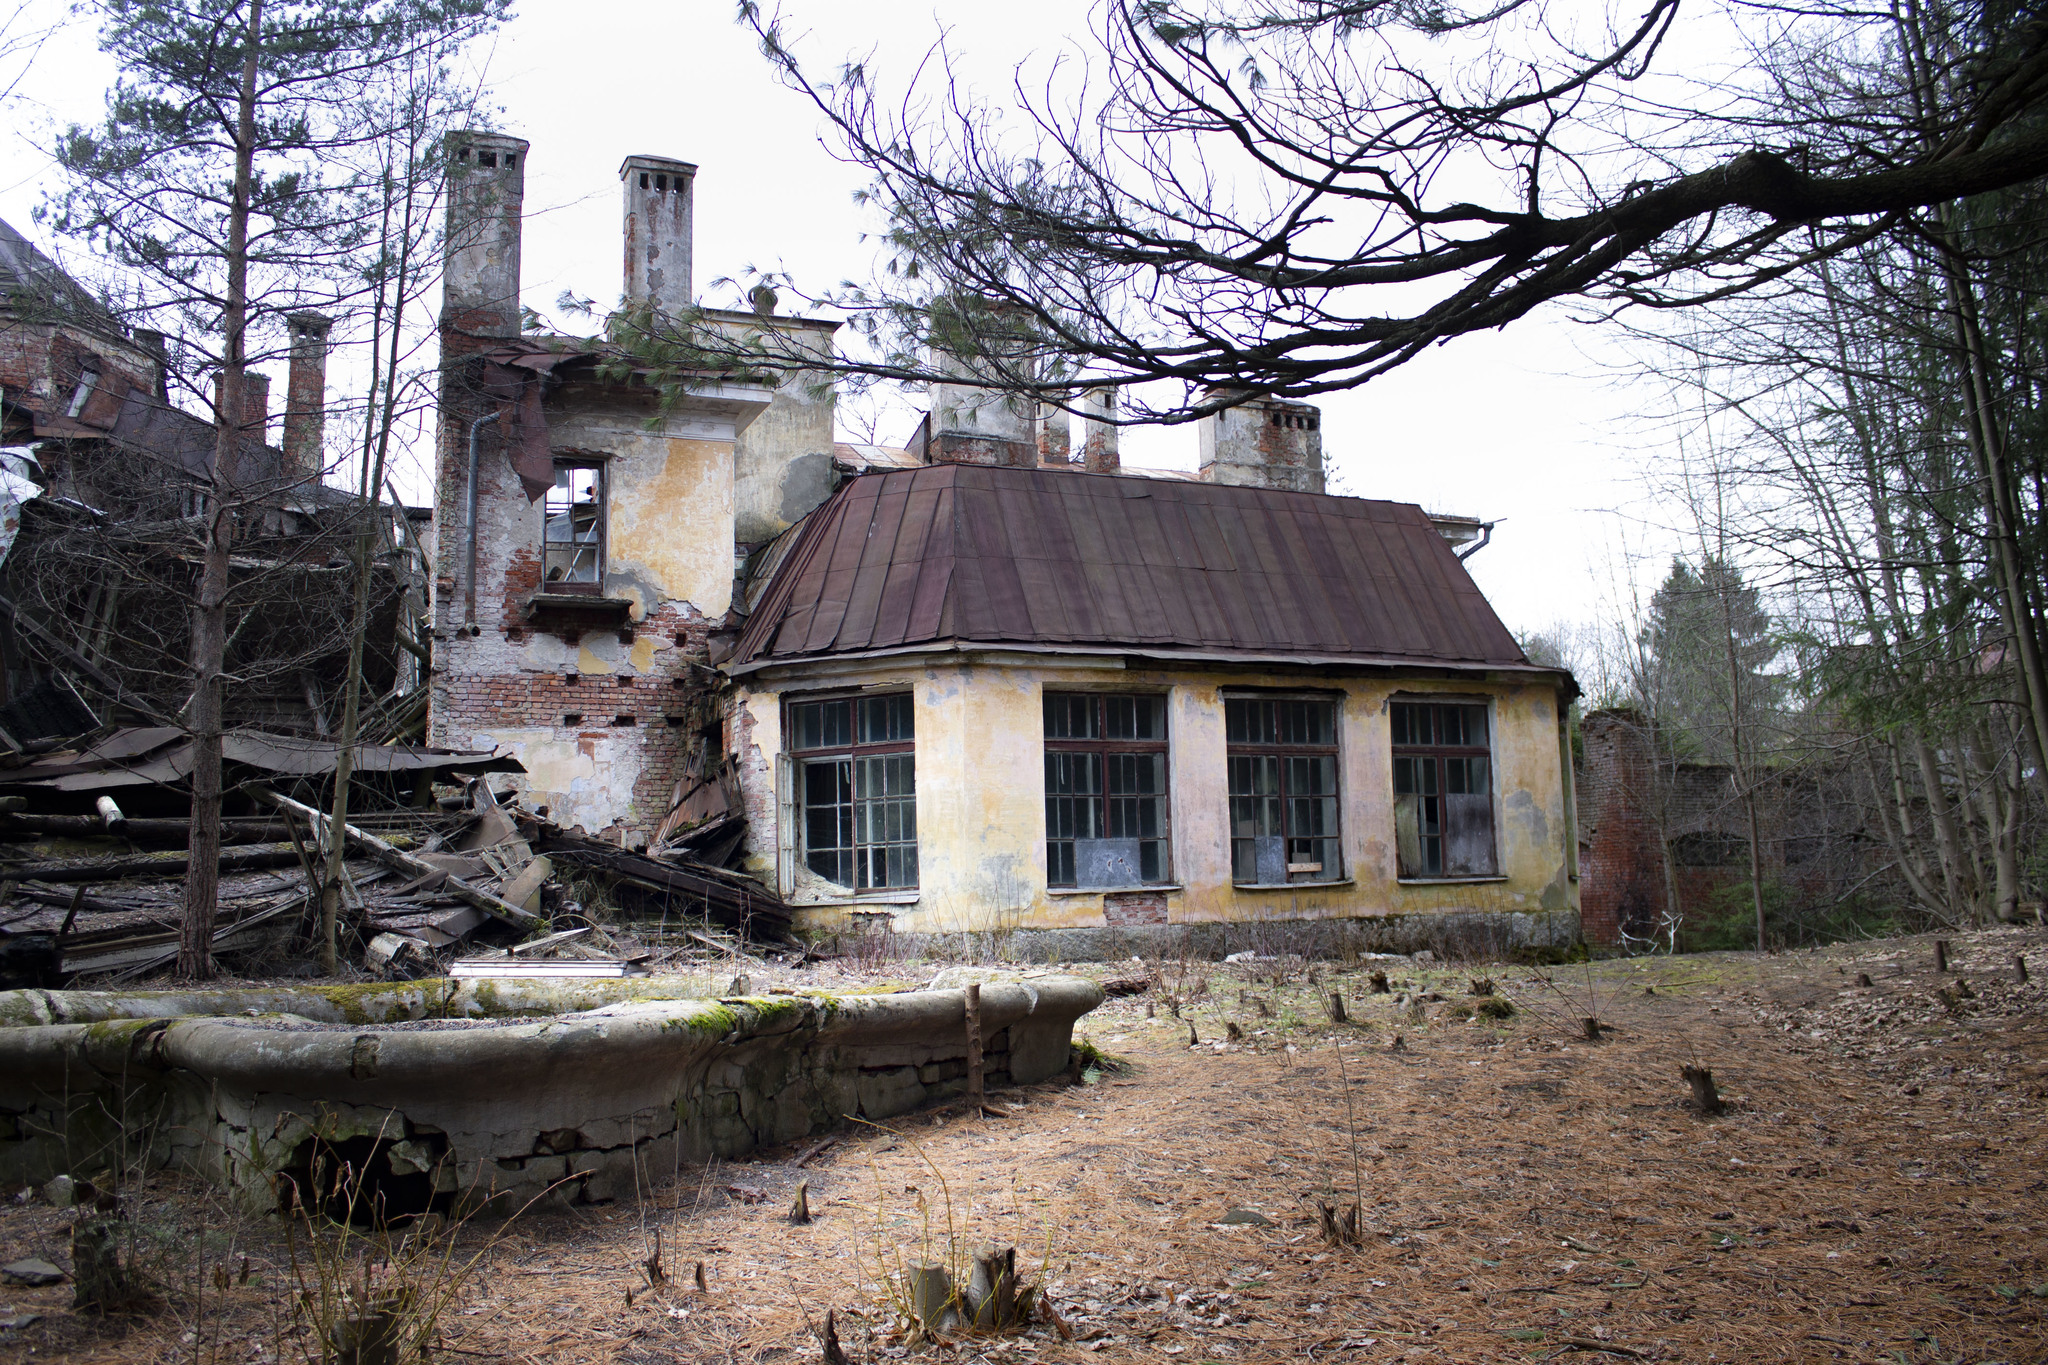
(1098, 435)
(255, 403)
(1264, 443)
(305, 396)
(660, 207)
(486, 189)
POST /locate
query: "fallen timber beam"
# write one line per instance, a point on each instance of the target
(401, 861)
(147, 830)
(169, 863)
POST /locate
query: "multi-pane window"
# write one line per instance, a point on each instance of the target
(1105, 789)
(572, 531)
(1443, 790)
(856, 776)
(1282, 756)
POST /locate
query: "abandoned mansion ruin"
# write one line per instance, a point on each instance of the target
(992, 680)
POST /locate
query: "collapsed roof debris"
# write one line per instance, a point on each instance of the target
(92, 892)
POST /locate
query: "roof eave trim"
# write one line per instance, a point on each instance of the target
(1147, 652)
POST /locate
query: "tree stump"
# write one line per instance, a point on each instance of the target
(1592, 1028)
(1941, 955)
(1863, 979)
(1379, 984)
(1340, 1227)
(2019, 967)
(800, 1211)
(1704, 1096)
(991, 1302)
(929, 1288)
(1337, 1014)
(833, 1352)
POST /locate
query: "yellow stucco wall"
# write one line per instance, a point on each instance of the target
(981, 810)
(670, 522)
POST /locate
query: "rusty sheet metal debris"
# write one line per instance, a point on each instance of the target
(162, 756)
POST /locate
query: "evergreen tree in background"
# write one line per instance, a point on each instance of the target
(1707, 645)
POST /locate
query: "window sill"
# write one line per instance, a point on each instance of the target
(1450, 881)
(582, 608)
(1292, 886)
(1110, 890)
(909, 897)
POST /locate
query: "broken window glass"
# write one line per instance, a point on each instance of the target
(572, 534)
(1105, 790)
(859, 804)
(1443, 790)
(1282, 770)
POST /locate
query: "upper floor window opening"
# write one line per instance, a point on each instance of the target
(572, 535)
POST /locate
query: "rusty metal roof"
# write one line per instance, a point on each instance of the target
(951, 554)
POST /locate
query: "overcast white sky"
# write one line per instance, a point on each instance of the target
(1515, 427)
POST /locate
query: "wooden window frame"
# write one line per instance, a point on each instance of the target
(594, 588)
(852, 751)
(1440, 755)
(1104, 748)
(1248, 749)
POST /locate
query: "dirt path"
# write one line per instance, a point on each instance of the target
(1878, 1190)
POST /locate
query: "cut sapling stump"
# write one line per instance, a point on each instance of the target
(1592, 1029)
(1941, 955)
(932, 1301)
(1863, 980)
(800, 1211)
(1337, 1015)
(833, 1352)
(1705, 1097)
(975, 1095)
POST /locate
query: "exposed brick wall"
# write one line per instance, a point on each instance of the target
(1621, 872)
(1810, 831)
(1134, 907)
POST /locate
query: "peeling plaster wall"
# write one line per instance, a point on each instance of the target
(668, 552)
(980, 790)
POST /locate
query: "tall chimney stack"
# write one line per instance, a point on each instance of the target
(305, 396)
(660, 204)
(486, 188)
(1265, 443)
(1098, 432)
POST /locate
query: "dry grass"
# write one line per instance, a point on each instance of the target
(1874, 1193)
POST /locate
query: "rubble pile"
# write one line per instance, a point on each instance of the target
(439, 867)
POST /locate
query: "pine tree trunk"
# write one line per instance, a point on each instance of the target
(209, 616)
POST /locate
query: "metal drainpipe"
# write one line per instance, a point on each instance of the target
(469, 587)
(1485, 527)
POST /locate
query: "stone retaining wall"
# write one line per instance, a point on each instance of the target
(442, 1109)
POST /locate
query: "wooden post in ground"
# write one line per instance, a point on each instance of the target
(975, 1095)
